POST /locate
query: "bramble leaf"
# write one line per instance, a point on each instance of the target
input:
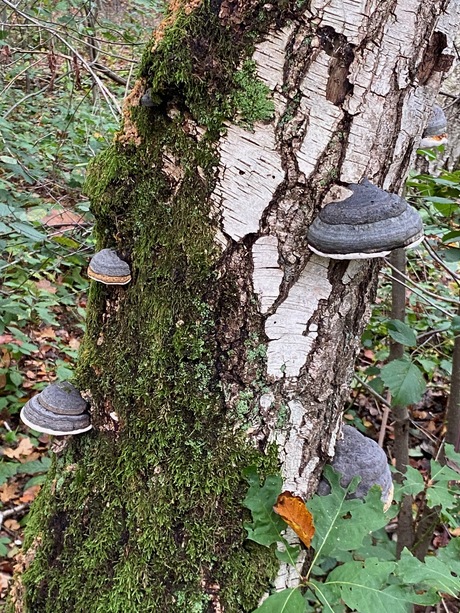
(439, 572)
(342, 524)
(266, 526)
(285, 601)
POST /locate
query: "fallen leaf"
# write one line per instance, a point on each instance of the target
(4, 580)
(294, 512)
(12, 524)
(23, 449)
(63, 218)
(74, 343)
(30, 494)
(8, 491)
(47, 333)
(5, 338)
(46, 285)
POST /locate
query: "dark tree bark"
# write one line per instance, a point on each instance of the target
(233, 345)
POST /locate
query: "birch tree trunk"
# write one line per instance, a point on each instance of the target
(233, 345)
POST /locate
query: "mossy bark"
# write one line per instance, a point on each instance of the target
(182, 366)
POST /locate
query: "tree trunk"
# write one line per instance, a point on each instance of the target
(233, 345)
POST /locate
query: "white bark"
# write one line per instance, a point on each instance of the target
(295, 293)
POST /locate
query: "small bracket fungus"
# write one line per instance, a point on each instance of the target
(150, 99)
(59, 409)
(106, 267)
(358, 455)
(435, 133)
(368, 224)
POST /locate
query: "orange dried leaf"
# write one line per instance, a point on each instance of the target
(8, 492)
(23, 449)
(294, 512)
(12, 524)
(30, 493)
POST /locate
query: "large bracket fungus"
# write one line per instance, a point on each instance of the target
(59, 409)
(357, 455)
(368, 224)
(106, 267)
(435, 133)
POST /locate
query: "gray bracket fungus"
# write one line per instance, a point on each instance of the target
(106, 267)
(59, 409)
(435, 133)
(358, 455)
(368, 224)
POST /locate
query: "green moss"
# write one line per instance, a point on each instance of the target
(192, 65)
(251, 98)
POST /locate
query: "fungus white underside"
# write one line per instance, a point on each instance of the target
(114, 281)
(39, 428)
(433, 141)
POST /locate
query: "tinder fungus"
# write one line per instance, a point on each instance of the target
(435, 133)
(106, 267)
(58, 409)
(368, 224)
(357, 455)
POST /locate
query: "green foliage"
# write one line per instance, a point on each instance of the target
(267, 526)
(286, 601)
(354, 561)
(401, 333)
(404, 380)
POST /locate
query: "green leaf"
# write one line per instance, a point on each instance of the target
(34, 467)
(6, 159)
(434, 572)
(439, 492)
(15, 377)
(285, 601)
(7, 470)
(413, 484)
(455, 323)
(342, 524)
(266, 526)
(363, 586)
(401, 333)
(450, 237)
(452, 254)
(405, 382)
(28, 230)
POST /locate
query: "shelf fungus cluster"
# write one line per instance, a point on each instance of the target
(435, 133)
(357, 455)
(368, 224)
(58, 409)
(106, 267)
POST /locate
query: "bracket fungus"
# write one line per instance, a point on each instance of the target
(435, 133)
(146, 99)
(58, 409)
(368, 224)
(358, 455)
(106, 267)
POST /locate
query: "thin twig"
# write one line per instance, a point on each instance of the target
(412, 289)
(421, 289)
(436, 257)
(14, 511)
(108, 96)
